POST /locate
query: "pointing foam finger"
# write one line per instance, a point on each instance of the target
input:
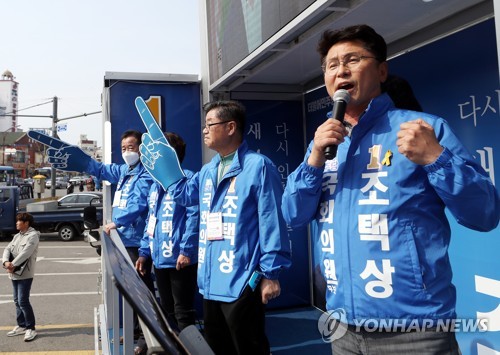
(149, 121)
(47, 140)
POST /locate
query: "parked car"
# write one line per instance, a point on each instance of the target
(59, 184)
(76, 180)
(81, 199)
(63, 179)
(19, 181)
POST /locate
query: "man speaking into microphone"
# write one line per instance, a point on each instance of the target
(378, 207)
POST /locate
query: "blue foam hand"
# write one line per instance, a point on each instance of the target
(157, 155)
(160, 160)
(61, 155)
(70, 158)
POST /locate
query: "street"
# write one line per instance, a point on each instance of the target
(63, 296)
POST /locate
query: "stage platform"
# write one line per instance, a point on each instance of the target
(295, 331)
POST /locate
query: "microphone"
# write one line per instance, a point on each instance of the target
(340, 100)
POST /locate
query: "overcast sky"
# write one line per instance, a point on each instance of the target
(64, 47)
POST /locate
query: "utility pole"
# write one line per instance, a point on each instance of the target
(54, 135)
(55, 119)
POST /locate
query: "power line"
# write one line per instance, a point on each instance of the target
(11, 114)
(82, 115)
(26, 108)
(43, 103)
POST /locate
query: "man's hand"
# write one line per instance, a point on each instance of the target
(182, 261)
(139, 265)
(108, 227)
(61, 155)
(331, 132)
(157, 155)
(417, 142)
(269, 289)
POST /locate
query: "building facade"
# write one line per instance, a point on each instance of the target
(8, 102)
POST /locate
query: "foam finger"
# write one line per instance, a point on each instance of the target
(147, 141)
(149, 121)
(143, 149)
(147, 163)
(47, 140)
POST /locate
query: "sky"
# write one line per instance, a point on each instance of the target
(64, 48)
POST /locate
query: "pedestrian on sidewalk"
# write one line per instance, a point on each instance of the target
(19, 258)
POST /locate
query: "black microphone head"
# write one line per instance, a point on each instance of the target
(342, 95)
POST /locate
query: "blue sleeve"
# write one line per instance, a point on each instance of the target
(144, 249)
(108, 172)
(137, 201)
(302, 194)
(462, 184)
(185, 192)
(273, 234)
(190, 237)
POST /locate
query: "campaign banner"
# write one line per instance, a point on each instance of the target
(274, 128)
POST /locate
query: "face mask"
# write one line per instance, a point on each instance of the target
(130, 158)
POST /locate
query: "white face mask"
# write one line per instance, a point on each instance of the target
(130, 158)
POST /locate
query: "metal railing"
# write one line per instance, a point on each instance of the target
(115, 316)
(115, 308)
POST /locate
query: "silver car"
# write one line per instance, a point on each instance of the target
(81, 199)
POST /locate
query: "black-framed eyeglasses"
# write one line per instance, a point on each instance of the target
(208, 125)
(350, 61)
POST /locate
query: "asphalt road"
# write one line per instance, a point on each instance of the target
(64, 295)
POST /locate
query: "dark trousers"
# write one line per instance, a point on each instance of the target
(24, 312)
(177, 289)
(237, 327)
(387, 343)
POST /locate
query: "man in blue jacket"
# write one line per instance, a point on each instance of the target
(243, 244)
(130, 202)
(171, 242)
(379, 205)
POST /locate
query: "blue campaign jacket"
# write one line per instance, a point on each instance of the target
(175, 232)
(134, 185)
(380, 219)
(255, 234)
